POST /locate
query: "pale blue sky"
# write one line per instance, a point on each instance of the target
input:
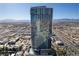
(21, 11)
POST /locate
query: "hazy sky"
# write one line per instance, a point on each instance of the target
(22, 10)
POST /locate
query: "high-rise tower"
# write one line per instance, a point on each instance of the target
(41, 29)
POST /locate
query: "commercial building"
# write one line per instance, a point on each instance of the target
(41, 29)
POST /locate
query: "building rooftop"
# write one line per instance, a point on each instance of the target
(39, 7)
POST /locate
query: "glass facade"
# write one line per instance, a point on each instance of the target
(41, 27)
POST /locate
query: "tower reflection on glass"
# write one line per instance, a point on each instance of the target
(41, 29)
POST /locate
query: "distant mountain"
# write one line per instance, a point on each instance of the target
(28, 21)
(12, 21)
(66, 20)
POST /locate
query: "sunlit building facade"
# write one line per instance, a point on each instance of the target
(41, 29)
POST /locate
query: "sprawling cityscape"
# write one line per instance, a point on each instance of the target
(43, 35)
